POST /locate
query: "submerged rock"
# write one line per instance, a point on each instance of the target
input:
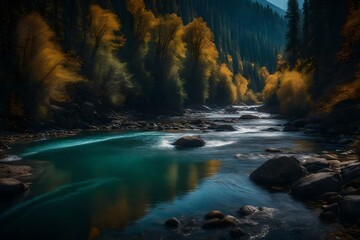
(314, 185)
(225, 222)
(212, 223)
(279, 170)
(225, 128)
(214, 214)
(189, 142)
(237, 233)
(172, 223)
(228, 221)
(271, 130)
(10, 187)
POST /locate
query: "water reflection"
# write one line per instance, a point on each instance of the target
(71, 209)
(130, 202)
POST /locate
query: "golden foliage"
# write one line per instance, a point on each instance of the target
(341, 93)
(144, 21)
(242, 87)
(232, 88)
(135, 6)
(110, 77)
(43, 64)
(169, 52)
(252, 97)
(264, 73)
(229, 59)
(272, 83)
(291, 89)
(282, 65)
(293, 92)
(200, 41)
(225, 78)
(104, 26)
(202, 58)
(168, 37)
(351, 31)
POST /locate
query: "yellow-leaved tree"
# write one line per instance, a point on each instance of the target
(110, 79)
(202, 58)
(44, 69)
(103, 32)
(143, 23)
(169, 54)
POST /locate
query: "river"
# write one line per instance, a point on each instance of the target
(124, 185)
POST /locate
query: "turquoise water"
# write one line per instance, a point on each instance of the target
(124, 185)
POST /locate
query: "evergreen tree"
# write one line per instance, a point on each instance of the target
(306, 41)
(292, 35)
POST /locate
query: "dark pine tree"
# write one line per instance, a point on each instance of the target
(292, 35)
(306, 40)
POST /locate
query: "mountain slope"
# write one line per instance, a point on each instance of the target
(274, 5)
(247, 34)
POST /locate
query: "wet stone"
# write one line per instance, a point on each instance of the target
(214, 214)
(212, 223)
(237, 233)
(172, 223)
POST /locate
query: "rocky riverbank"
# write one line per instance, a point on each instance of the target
(329, 182)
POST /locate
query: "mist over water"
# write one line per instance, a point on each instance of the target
(124, 185)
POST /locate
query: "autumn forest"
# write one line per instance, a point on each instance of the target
(179, 119)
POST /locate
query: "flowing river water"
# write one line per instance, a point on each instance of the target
(124, 185)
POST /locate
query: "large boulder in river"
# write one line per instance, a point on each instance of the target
(189, 142)
(279, 170)
(10, 187)
(314, 185)
(350, 207)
